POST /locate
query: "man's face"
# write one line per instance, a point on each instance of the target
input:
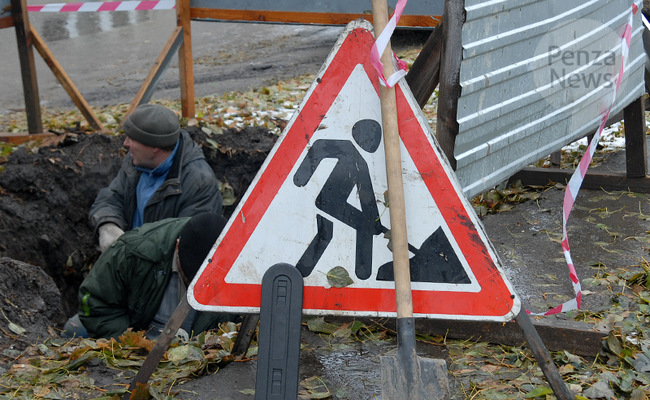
(143, 156)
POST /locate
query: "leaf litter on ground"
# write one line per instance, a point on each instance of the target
(64, 368)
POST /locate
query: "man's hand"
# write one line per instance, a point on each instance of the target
(108, 233)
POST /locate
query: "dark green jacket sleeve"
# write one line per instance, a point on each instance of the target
(125, 286)
(103, 303)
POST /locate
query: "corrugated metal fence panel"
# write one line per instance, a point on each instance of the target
(535, 76)
(414, 7)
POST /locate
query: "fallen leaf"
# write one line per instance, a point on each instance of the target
(186, 353)
(320, 326)
(600, 390)
(538, 392)
(316, 388)
(212, 143)
(17, 329)
(614, 344)
(339, 277)
(640, 362)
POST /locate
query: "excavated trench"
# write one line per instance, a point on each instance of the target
(45, 195)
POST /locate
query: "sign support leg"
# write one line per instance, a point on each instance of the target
(245, 335)
(543, 357)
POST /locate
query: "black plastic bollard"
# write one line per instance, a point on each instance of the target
(279, 334)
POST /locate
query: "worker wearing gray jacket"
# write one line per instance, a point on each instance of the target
(164, 175)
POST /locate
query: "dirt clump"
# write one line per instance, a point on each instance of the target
(46, 192)
(235, 160)
(31, 308)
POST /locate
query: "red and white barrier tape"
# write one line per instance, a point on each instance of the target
(380, 45)
(578, 176)
(105, 6)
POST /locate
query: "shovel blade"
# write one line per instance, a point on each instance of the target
(413, 378)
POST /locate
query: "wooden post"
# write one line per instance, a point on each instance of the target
(28, 68)
(6, 22)
(449, 93)
(556, 158)
(155, 73)
(543, 358)
(636, 149)
(185, 66)
(424, 75)
(65, 81)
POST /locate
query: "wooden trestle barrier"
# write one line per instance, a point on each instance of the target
(27, 38)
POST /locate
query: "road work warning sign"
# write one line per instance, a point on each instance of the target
(320, 203)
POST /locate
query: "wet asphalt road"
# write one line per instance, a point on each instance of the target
(109, 54)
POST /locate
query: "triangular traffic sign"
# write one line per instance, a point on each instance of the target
(318, 203)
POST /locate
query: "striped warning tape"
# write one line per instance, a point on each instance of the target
(105, 6)
(578, 176)
(380, 45)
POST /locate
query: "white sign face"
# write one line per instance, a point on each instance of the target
(291, 222)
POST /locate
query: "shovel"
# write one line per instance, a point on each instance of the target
(404, 376)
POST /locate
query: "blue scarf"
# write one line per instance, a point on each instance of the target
(150, 181)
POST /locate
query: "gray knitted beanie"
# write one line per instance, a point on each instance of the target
(153, 125)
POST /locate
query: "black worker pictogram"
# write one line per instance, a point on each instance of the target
(350, 173)
(435, 261)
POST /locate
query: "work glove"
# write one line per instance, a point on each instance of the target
(108, 233)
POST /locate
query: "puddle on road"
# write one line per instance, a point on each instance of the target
(346, 370)
(352, 370)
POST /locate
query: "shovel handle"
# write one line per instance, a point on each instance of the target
(394, 173)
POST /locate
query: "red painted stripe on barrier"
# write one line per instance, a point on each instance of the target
(109, 6)
(71, 7)
(103, 6)
(146, 5)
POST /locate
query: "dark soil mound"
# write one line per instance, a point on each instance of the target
(45, 195)
(31, 307)
(237, 158)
